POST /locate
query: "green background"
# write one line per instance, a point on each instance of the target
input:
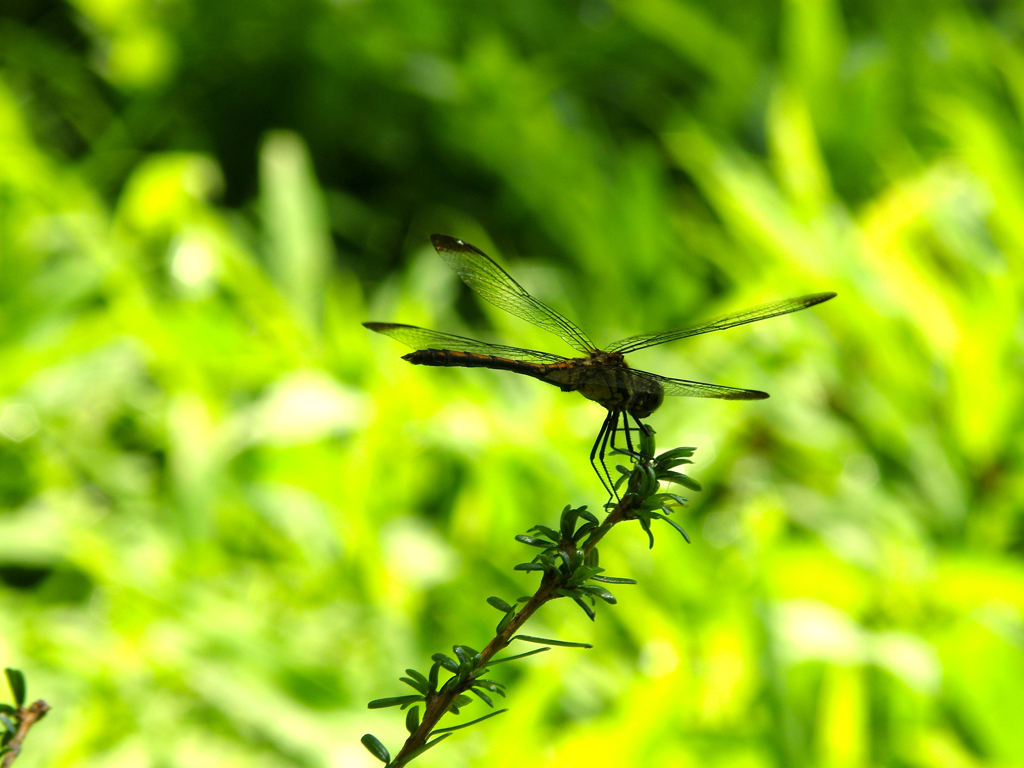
(230, 516)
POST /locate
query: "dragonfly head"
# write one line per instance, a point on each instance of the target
(643, 404)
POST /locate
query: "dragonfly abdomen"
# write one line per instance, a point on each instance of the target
(448, 358)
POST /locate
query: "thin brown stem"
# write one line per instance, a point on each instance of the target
(27, 717)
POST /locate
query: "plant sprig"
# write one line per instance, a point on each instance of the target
(16, 721)
(568, 564)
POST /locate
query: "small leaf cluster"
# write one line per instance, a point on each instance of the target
(466, 670)
(643, 487)
(566, 563)
(509, 611)
(9, 715)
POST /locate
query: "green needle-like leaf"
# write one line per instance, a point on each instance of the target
(665, 465)
(543, 641)
(466, 725)
(412, 720)
(551, 533)
(505, 621)
(681, 479)
(646, 525)
(498, 603)
(583, 530)
(18, 688)
(418, 676)
(567, 521)
(673, 524)
(483, 697)
(394, 701)
(601, 592)
(378, 750)
(416, 685)
(612, 580)
(417, 752)
(665, 498)
(460, 701)
(493, 662)
(535, 542)
(650, 481)
(586, 609)
(446, 661)
(676, 453)
(491, 685)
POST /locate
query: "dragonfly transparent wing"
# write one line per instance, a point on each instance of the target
(421, 338)
(644, 381)
(494, 284)
(577, 376)
(752, 315)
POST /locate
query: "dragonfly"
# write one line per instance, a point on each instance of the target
(600, 375)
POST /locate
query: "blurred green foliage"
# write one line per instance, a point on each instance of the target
(228, 518)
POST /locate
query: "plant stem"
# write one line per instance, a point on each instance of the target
(27, 717)
(437, 704)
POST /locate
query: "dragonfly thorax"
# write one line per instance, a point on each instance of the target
(606, 378)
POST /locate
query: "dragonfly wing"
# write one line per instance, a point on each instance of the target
(644, 381)
(421, 338)
(752, 315)
(493, 283)
(617, 379)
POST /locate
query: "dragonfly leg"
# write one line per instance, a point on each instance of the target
(598, 452)
(613, 421)
(627, 429)
(629, 438)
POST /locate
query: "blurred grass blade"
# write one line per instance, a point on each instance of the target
(296, 221)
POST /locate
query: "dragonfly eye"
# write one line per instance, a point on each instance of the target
(643, 404)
